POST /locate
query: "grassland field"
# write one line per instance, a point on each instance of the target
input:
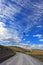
(8, 51)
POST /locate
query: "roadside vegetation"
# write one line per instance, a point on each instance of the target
(8, 51)
(35, 53)
(5, 53)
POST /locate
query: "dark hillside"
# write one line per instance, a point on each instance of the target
(5, 53)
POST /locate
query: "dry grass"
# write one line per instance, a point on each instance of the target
(35, 53)
(11, 50)
(16, 49)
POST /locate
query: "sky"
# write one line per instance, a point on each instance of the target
(18, 17)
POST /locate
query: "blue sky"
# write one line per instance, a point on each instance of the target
(18, 17)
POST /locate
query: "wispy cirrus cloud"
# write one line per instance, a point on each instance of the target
(31, 46)
(38, 35)
(37, 12)
(11, 9)
(41, 40)
(19, 16)
(8, 10)
(39, 26)
(37, 46)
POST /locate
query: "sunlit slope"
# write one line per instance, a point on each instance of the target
(27, 51)
(19, 49)
(35, 53)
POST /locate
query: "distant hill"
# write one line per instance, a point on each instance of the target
(19, 49)
(35, 53)
(8, 51)
(5, 53)
(26, 51)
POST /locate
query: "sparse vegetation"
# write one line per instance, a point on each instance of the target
(40, 57)
(17, 49)
(5, 53)
(35, 53)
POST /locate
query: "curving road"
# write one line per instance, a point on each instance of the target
(22, 59)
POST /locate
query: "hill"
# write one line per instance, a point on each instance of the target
(19, 49)
(35, 53)
(5, 53)
(8, 51)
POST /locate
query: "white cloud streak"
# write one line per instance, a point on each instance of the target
(6, 35)
(3, 31)
(39, 26)
(38, 35)
(35, 17)
(41, 40)
(8, 10)
(31, 46)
